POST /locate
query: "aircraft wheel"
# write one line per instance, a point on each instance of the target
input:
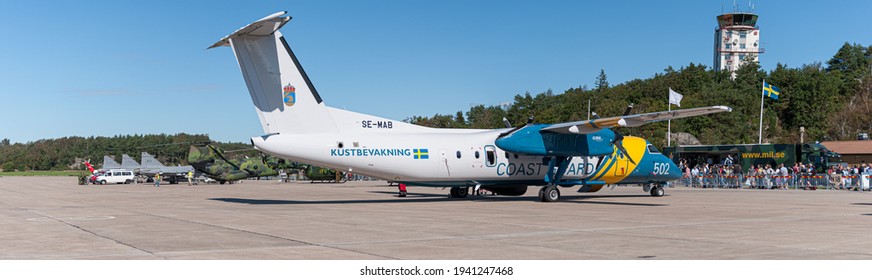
(657, 191)
(459, 192)
(549, 194)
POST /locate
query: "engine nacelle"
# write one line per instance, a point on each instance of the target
(530, 140)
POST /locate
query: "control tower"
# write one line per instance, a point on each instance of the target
(737, 38)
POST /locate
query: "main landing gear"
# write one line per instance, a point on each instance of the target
(459, 192)
(549, 193)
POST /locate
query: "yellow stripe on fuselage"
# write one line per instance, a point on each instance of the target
(605, 165)
(636, 149)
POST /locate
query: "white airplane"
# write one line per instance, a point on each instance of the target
(298, 126)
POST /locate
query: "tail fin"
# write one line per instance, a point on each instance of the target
(285, 99)
(148, 161)
(109, 163)
(128, 162)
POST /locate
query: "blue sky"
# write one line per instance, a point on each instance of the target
(103, 68)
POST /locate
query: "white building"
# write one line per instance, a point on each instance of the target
(737, 38)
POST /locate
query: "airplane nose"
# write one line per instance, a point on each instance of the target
(675, 173)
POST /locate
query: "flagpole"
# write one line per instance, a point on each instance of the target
(762, 92)
(669, 126)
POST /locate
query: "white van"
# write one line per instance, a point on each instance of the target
(116, 176)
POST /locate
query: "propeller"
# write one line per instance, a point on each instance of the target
(628, 110)
(508, 125)
(619, 142)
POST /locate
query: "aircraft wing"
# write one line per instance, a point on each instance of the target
(590, 126)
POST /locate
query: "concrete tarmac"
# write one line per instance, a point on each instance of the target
(53, 218)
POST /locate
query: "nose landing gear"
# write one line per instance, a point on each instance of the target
(656, 190)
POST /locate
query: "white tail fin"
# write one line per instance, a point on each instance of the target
(283, 96)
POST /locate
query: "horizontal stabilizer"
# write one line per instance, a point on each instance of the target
(590, 126)
(262, 27)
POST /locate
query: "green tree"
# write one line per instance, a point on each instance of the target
(602, 82)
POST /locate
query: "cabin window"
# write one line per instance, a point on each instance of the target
(477, 155)
(491, 154)
(458, 154)
(652, 149)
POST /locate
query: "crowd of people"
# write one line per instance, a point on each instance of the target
(727, 174)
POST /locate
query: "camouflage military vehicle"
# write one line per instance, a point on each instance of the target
(211, 161)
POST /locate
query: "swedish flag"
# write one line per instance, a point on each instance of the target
(771, 91)
(421, 153)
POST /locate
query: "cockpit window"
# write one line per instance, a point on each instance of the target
(652, 149)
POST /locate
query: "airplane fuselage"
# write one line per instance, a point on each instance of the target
(462, 158)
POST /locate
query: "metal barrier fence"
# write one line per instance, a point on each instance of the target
(807, 182)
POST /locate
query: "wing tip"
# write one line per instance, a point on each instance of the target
(724, 108)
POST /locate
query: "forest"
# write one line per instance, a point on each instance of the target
(68, 153)
(832, 101)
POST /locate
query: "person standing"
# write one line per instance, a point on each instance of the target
(737, 172)
(782, 172)
(402, 190)
(190, 177)
(157, 180)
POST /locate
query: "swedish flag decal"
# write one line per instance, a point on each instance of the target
(421, 153)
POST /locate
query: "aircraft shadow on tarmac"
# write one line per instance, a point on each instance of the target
(419, 198)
